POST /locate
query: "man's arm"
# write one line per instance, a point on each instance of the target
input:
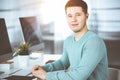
(61, 64)
(93, 53)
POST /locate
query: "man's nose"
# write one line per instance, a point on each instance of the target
(73, 18)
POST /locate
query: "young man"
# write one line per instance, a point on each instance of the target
(84, 53)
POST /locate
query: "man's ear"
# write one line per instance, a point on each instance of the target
(87, 15)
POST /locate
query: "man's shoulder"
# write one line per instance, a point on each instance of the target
(93, 35)
(70, 37)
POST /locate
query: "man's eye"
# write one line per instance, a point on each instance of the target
(78, 14)
(69, 15)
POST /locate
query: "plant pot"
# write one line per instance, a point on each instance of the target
(23, 61)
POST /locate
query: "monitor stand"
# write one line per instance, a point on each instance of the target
(1, 72)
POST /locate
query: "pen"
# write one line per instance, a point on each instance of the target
(31, 72)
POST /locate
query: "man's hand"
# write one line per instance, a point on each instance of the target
(39, 72)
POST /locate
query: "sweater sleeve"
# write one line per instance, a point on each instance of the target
(93, 53)
(61, 64)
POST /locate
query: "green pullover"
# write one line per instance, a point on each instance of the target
(85, 59)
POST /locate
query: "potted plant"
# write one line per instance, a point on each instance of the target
(23, 49)
(23, 54)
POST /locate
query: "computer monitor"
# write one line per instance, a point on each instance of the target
(31, 32)
(5, 46)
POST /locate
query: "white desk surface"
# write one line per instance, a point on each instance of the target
(39, 59)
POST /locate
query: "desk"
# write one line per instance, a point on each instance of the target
(32, 61)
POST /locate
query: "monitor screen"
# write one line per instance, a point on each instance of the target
(5, 47)
(31, 32)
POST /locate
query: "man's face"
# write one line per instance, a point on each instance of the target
(76, 18)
